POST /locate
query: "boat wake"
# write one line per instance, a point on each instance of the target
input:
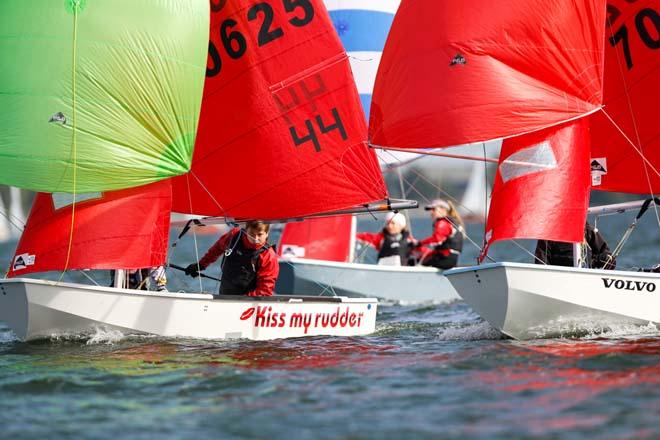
(99, 336)
(592, 328)
(626, 331)
(6, 335)
(399, 328)
(105, 336)
(469, 332)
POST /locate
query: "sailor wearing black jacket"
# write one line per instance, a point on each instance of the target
(393, 243)
(561, 254)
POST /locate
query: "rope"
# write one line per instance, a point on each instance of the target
(201, 288)
(74, 151)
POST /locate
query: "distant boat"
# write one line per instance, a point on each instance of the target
(474, 204)
(5, 226)
(12, 214)
(316, 256)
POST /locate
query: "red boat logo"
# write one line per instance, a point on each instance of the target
(247, 314)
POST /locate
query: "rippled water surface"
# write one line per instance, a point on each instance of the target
(430, 371)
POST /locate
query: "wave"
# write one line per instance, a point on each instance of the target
(470, 332)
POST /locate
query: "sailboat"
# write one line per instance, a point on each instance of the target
(571, 87)
(317, 255)
(12, 215)
(476, 197)
(151, 114)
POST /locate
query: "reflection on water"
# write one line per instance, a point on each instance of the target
(576, 385)
(429, 371)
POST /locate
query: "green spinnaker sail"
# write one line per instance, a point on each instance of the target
(112, 86)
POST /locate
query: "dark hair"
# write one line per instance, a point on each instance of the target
(258, 225)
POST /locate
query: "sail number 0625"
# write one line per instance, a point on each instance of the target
(234, 43)
(647, 23)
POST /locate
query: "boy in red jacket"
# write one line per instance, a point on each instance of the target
(249, 266)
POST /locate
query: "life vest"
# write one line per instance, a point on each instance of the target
(395, 245)
(239, 267)
(455, 241)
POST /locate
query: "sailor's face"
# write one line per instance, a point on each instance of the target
(257, 236)
(393, 228)
(439, 212)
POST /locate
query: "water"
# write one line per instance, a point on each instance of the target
(429, 371)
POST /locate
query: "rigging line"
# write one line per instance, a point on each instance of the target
(641, 155)
(403, 196)
(218, 205)
(446, 194)
(10, 218)
(13, 218)
(331, 285)
(632, 117)
(73, 135)
(465, 235)
(449, 155)
(194, 231)
(88, 277)
(533, 255)
(483, 145)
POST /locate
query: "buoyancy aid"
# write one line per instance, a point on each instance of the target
(395, 244)
(239, 267)
(453, 243)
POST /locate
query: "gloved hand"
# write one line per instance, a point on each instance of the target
(193, 270)
(415, 244)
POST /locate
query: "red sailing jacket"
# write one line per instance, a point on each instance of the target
(269, 268)
(373, 238)
(442, 230)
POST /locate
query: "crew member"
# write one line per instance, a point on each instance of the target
(393, 243)
(558, 253)
(249, 266)
(444, 246)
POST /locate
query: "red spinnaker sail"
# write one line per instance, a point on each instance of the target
(541, 187)
(125, 229)
(456, 72)
(281, 131)
(631, 99)
(326, 238)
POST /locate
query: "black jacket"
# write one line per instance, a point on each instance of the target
(561, 254)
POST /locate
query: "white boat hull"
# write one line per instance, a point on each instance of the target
(394, 283)
(529, 301)
(37, 309)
